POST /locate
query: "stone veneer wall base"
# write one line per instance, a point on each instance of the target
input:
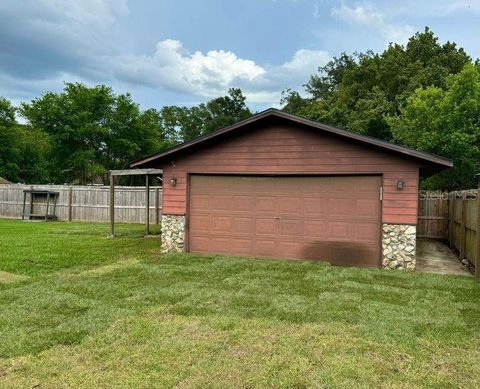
(398, 246)
(173, 233)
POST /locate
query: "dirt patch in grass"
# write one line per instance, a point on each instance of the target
(11, 278)
(101, 270)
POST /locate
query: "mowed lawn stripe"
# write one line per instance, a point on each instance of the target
(116, 313)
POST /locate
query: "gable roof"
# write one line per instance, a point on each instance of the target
(431, 159)
(4, 181)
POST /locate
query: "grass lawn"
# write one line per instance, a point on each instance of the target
(80, 310)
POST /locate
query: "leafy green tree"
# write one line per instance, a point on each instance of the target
(33, 159)
(23, 150)
(224, 111)
(8, 151)
(326, 83)
(181, 124)
(445, 121)
(130, 133)
(92, 130)
(358, 92)
(292, 102)
(74, 121)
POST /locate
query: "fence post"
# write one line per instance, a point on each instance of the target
(157, 206)
(463, 232)
(451, 219)
(477, 237)
(31, 201)
(147, 206)
(112, 205)
(70, 196)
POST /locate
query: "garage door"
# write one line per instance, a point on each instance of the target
(335, 219)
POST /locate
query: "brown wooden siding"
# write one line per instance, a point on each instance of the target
(288, 150)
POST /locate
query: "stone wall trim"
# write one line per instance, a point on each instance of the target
(173, 234)
(399, 246)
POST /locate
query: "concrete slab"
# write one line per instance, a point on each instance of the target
(436, 257)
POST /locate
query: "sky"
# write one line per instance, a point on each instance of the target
(179, 52)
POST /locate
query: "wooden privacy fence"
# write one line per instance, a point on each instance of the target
(454, 217)
(463, 224)
(87, 203)
(432, 215)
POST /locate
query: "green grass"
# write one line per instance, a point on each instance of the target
(80, 310)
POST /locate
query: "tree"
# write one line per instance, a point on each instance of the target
(130, 133)
(358, 92)
(33, 160)
(8, 154)
(74, 121)
(326, 83)
(292, 101)
(23, 150)
(92, 130)
(8, 151)
(445, 121)
(182, 124)
(224, 111)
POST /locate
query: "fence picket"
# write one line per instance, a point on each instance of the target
(85, 203)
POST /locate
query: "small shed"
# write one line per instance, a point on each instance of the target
(277, 185)
(3, 181)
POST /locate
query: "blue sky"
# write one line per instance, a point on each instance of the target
(182, 52)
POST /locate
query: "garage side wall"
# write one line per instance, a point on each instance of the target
(287, 150)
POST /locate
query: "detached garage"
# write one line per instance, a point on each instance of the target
(276, 185)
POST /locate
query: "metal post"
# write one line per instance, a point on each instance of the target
(147, 206)
(48, 203)
(112, 205)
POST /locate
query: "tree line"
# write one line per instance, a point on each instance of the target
(423, 95)
(79, 134)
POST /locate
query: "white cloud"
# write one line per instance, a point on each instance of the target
(212, 73)
(366, 15)
(172, 67)
(304, 61)
(359, 15)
